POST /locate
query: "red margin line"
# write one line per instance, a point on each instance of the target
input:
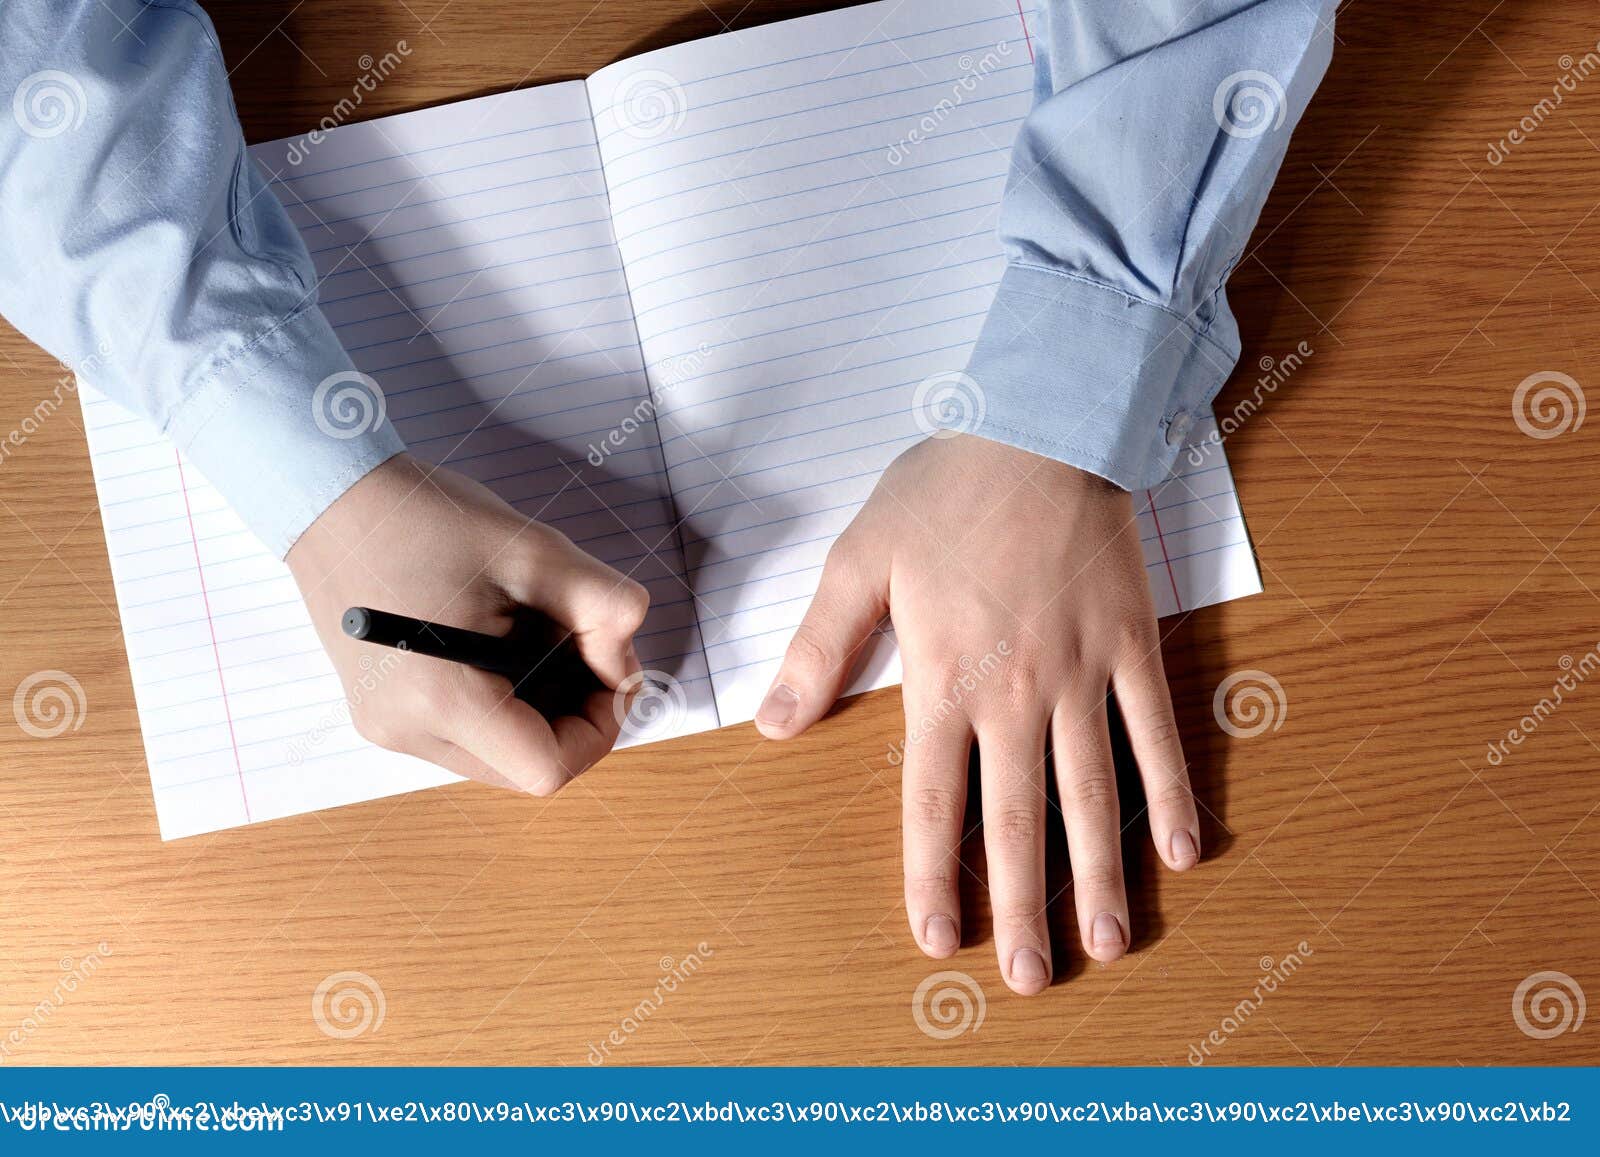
(1026, 38)
(212, 626)
(1171, 578)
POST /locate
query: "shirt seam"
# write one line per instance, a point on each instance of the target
(1201, 332)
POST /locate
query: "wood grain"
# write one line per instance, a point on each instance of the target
(1428, 568)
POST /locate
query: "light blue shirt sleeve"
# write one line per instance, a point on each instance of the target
(1157, 130)
(140, 246)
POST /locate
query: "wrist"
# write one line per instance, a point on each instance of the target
(997, 460)
(354, 515)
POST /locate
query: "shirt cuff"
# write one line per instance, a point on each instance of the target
(1082, 373)
(283, 425)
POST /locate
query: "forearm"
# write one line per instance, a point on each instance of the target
(1157, 131)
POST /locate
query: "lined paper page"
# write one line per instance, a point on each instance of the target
(465, 257)
(807, 217)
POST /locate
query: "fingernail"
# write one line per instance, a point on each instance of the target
(778, 707)
(1027, 966)
(1184, 852)
(939, 935)
(1108, 931)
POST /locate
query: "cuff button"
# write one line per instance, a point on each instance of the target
(1178, 428)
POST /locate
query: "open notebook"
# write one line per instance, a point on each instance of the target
(681, 311)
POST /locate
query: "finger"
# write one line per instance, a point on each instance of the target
(848, 605)
(1012, 770)
(610, 614)
(586, 738)
(582, 740)
(600, 607)
(1086, 780)
(933, 796)
(477, 712)
(1146, 705)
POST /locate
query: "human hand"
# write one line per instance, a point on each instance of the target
(430, 543)
(1018, 592)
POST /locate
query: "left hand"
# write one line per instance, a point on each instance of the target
(1018, 592)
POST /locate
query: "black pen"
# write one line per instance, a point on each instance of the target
(545, 668)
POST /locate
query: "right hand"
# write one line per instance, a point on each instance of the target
(430, 543)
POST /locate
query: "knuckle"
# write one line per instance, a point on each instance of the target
(1139, 644)
(1017, 827)
(1016, 919)
(842, 558)
(378, 729)
(965, 678)
(535, 548)
(1161, 732)
(539, 537)
(935, 809)
(1017, 683)
(810, 650)
(1093, 789)
(623, 604)
(1099, 877)
(945, 676)
(1171, 793)
(1072, 652)
(933, 885)
(610, 600)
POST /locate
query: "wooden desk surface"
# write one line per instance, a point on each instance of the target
(1430, 571)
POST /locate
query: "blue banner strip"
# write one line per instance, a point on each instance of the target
(796, 1109)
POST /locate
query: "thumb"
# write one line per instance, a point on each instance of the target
(849, 603)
